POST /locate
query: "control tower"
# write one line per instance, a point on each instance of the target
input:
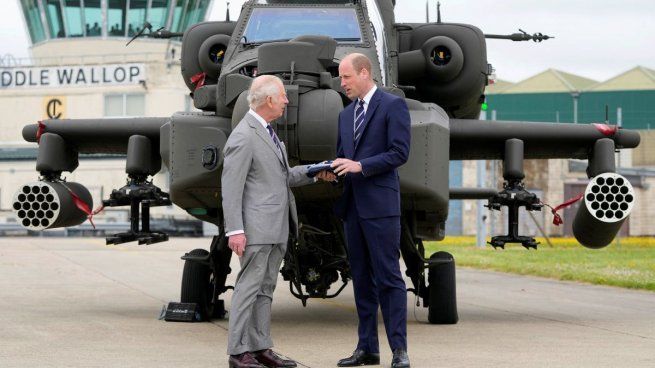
(64, 29)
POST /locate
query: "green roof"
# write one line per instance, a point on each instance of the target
(635, 79)
(550, 81)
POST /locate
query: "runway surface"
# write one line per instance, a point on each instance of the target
(75, 302)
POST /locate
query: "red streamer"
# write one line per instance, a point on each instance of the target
(607, 130)
(39, 131)
(557, 219)
(198, 80)
(82, 206)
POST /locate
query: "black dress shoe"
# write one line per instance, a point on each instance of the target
(245, 360)
(360, 357)
(400, 359)
(270, 359)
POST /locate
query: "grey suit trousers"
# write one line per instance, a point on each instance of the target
(250, 315)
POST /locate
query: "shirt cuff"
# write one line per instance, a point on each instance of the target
(361, 167)
(235, 232)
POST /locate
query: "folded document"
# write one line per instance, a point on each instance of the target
(314, 169)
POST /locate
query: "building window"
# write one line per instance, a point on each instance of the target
(33, 18)
(158, 13)
(116, 17)
(55, 18)
(93, 17)
(73, 11)
(177, 15)
(125, 105)
(136, 16)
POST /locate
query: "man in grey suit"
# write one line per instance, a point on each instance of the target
(259, 210)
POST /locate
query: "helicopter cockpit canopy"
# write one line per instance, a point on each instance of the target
(268, 24)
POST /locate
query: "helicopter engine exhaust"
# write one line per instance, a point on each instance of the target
(445, 63)
(606, 204)
(48, 205)
(440, 57)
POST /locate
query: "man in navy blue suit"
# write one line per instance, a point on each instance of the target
(374, 136)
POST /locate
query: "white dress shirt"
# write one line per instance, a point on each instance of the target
(367, 101)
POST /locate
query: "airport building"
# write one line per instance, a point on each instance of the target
(80, 67)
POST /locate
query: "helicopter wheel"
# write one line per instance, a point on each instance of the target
(442, 307)
(197, 285)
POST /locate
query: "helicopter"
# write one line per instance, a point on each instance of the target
(441, 70)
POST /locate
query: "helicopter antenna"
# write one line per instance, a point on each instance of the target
(438, 12)
(427, 12)
(227, 12)
(522, 36)
(146, 25)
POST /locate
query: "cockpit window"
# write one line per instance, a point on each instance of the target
(273, 24)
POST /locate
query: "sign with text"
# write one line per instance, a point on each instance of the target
(72, 76)
(54, 107)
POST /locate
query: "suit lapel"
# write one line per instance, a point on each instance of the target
(284, 153)
(348, 138)
(263, 134)
(370, 111)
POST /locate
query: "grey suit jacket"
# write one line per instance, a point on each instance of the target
(255, 185)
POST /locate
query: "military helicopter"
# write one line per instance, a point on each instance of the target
(440, 68)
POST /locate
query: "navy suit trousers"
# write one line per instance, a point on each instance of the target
(374, 256)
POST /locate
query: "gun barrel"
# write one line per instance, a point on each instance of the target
(472, 193)
(485, 140)
(98, 135)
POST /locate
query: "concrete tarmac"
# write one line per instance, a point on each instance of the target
(75, 302)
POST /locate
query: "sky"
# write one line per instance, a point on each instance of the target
(596, 39)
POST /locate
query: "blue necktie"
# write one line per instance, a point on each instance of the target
(274, 137)
(359, 121)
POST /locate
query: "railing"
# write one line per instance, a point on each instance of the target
(9, 61)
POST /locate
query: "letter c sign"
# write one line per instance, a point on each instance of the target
(54, 107)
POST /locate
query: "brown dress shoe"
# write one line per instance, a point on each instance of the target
(270, 359)
(245, 360)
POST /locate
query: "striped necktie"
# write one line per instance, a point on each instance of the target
(274, 137)
(359, 121)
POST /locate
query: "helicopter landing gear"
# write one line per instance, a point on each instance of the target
(439, 293)
(204, 276)
(442, 301)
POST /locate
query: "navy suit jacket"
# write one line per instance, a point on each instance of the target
(382, 148)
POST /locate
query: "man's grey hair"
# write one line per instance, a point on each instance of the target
(261, 88)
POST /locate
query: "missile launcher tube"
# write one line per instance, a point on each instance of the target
(606, 204)
(49, 205)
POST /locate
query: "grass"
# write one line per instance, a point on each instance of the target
(629, 263)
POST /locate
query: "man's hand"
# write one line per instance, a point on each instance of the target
(326, 176)
(342, 166)
(237, 243)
